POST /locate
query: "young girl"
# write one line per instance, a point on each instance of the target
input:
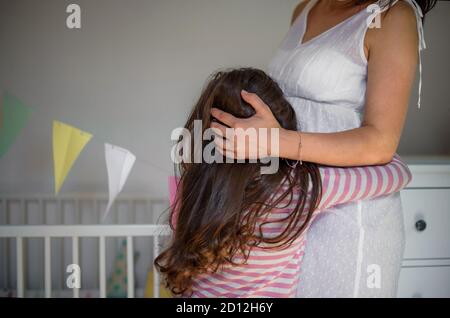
(240, 233)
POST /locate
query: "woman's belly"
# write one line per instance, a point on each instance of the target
(347, 244)
(354, 250)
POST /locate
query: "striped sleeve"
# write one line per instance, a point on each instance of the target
(343, 185)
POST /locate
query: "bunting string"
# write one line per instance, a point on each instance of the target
(68, 143)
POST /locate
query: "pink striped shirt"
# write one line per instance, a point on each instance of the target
(276, 272)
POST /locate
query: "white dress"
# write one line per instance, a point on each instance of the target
(353, 250)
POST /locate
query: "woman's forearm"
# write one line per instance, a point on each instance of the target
(357, 147)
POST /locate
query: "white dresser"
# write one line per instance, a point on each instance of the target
(426, 205)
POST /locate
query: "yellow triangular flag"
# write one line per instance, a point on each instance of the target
(68, 142)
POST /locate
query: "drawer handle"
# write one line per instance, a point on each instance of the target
(421, 225)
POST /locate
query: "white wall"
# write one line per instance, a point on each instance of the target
(427, 130)
(134, 70)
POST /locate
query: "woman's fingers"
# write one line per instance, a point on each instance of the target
(223, 117)
(223, 143)
(219, 129)
(254, 100)
(240, 137)
(224, 147)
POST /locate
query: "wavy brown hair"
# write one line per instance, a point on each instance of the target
(218, 205)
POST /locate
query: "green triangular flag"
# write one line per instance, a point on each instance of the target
(13, 118)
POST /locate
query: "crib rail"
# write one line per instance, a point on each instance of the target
(75, 232)
(79, 208)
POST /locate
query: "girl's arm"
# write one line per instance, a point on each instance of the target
(343, 185)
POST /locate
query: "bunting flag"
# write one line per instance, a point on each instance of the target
(68, 142)
(119, 163)
(13, 117)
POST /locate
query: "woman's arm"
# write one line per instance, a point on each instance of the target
(392, 61)
(391, 70)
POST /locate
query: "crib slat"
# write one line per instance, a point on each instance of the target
(62, 246)
(75, 260)
(48, 270)
(132, 211)
(130, 267)
(5, 242)
(24, 206)
(78, 211)
(155, 271)
(102, 265)
(22, 210)
(20, 269)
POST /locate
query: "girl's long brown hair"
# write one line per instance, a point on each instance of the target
(218, 205)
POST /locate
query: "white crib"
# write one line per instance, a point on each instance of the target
(41, 235)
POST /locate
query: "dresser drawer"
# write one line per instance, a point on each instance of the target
(426, 282)
(427, 223)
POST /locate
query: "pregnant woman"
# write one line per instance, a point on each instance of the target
(349, 84)
(239, 232)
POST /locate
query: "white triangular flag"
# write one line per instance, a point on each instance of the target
(119, 163)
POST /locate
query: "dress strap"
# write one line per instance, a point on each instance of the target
(422, 44)
(304, 17)
(292, 40)
(419, 17)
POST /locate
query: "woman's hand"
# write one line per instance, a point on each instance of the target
(256, 145)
